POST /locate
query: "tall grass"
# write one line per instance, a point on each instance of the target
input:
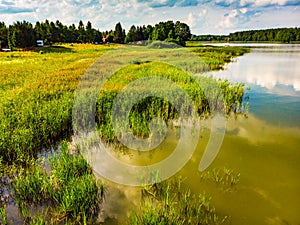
(216, 56)
(37, 90)
(148, 108)
(3, 216)
(36, 96)
(169, 203)
(68, 192)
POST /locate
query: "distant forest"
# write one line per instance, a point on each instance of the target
(282, 35)
(24, 34)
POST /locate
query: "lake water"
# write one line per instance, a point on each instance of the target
(264, 148)
(273, 73)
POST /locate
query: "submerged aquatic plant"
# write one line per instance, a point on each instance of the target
(171, 204)
(222, 176)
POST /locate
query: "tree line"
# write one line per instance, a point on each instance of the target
(283, 35)
(23, 34)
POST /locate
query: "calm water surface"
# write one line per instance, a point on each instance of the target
(264, 148)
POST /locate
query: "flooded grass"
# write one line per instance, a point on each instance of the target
(145, 110)
(69, 192)
(222, 176)
(169, 203)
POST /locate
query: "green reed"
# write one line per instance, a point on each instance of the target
(170, 203)
(223, 176)
(68, 191)
(151, 107)
(216, 56)
(3, 215)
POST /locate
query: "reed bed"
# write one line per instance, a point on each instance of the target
(37, 92)
(151, 107)
(68, 192)
(169, 203)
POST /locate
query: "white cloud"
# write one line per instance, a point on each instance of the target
(243, 10)
(191, 21)
(263, 2)
(209, 16)
(228, 20)
(228, 2)
(202, 13)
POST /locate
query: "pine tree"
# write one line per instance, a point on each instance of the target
(131, 35)
(81, 32)
(3, 35)
(118, 34)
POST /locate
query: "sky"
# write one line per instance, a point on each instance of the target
(203, 16)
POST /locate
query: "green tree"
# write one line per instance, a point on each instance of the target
(148, 32)
(139, 34)
(156, 33)
(21, 34)
(61, 32)
(81, 32)
(169, 28)
(3, 35)
(38, 31)
(159, 32)
(182, 33)
(98, 36)
(72, 35)
(11, 37)
(90, 33)
(54, 33)
(46, 32)
(118, 34)
(131, 35)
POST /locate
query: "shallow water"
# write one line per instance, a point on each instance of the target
(263, 148)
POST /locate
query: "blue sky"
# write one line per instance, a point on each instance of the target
(203, 16)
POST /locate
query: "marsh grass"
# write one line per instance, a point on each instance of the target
(221, 176)
(68, 192)
(169, 203)
(215, 56)
(3, 215)
(151, 107)
(37, 92)
(36, 96)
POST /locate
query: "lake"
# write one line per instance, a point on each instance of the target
(263, 148)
